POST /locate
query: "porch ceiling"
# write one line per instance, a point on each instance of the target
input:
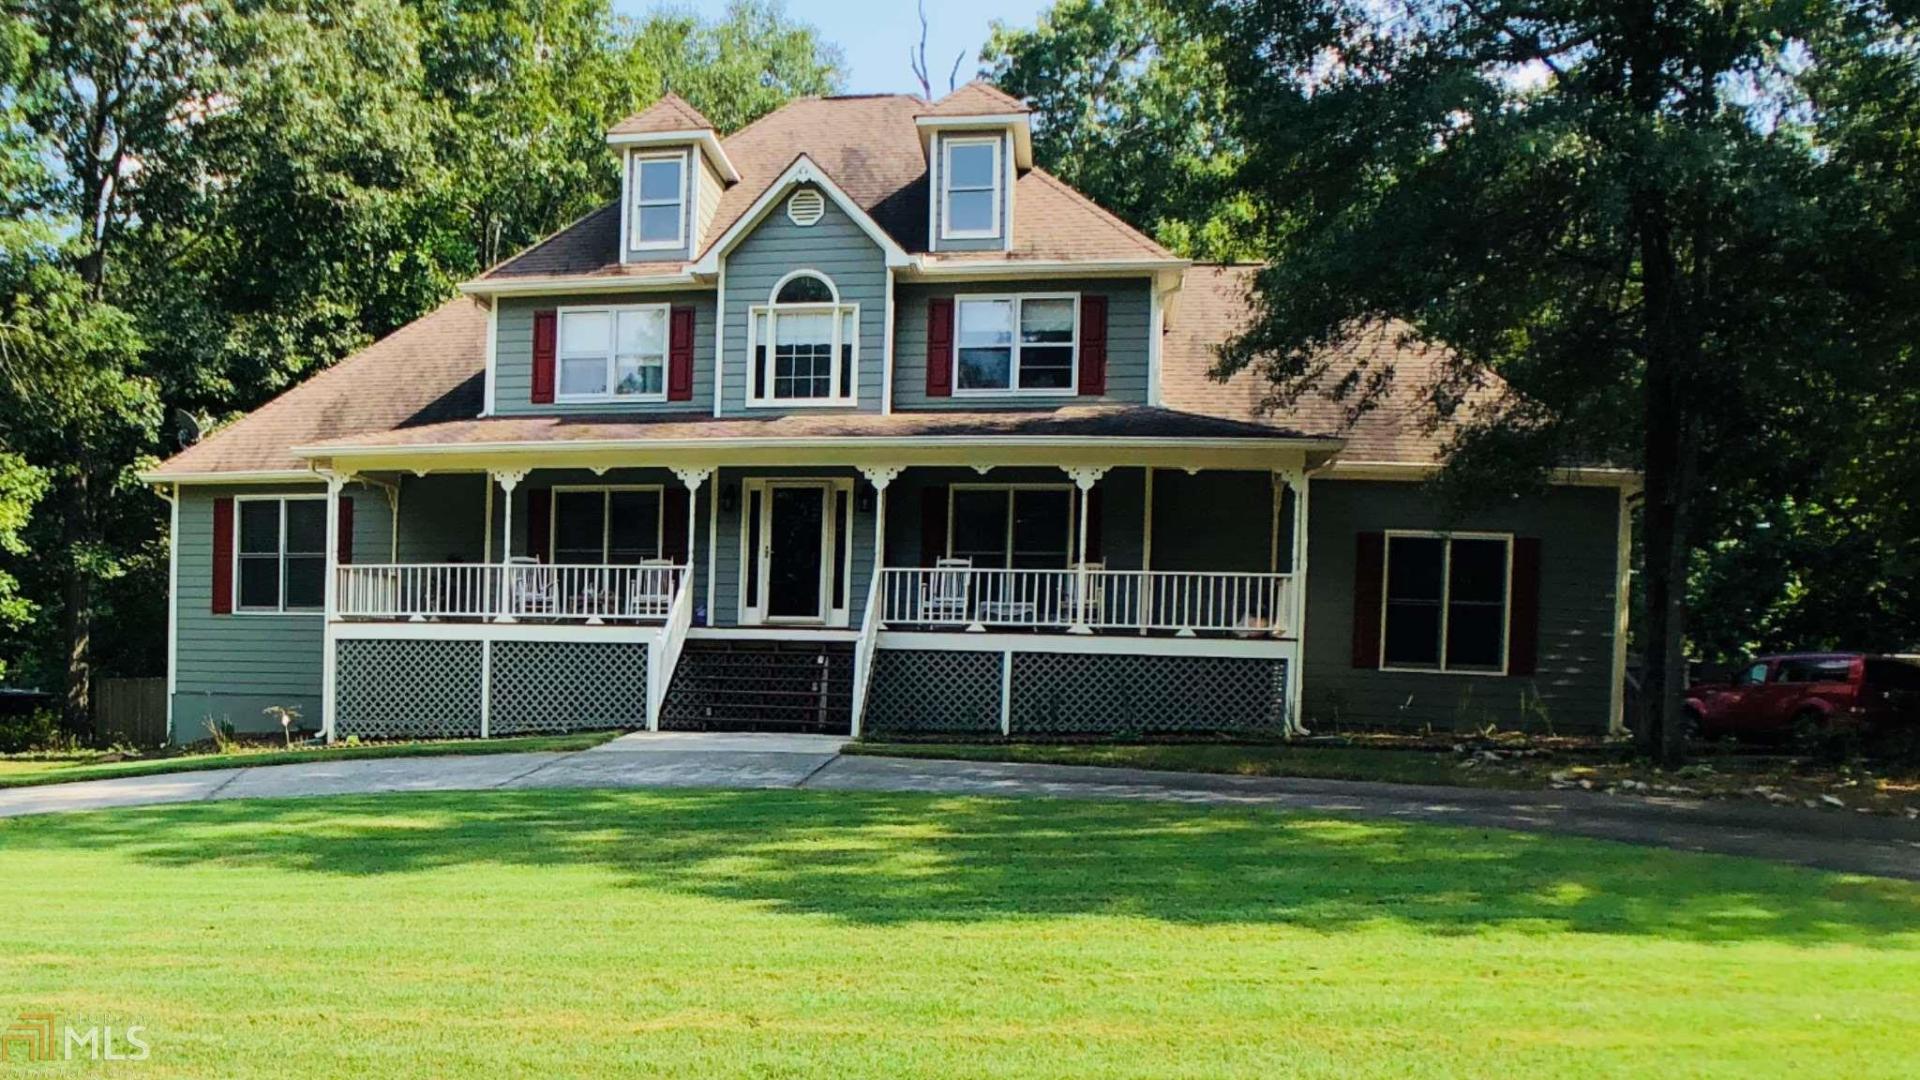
(1076, 435)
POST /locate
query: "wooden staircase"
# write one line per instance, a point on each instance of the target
(747, 685)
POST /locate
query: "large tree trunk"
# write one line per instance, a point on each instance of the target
(77, 604)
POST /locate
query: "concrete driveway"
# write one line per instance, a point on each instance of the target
(1827, 840)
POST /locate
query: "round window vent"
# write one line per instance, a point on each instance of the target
(806, 207)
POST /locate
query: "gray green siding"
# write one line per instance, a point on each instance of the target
(1576, 527)
(513, 354)
(230, 667)
(835, 247)
(1129, 317)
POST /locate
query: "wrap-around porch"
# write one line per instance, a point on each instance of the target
(1007, 568)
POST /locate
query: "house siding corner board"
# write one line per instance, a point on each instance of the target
(1129, 320)
(513, 353)
(1576, 528)
(231, 667)
(838, 249)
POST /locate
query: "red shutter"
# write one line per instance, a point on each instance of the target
(539, 524)
(680, 355)
(1369, 565)
(673, 526)
(345, 526)
(1093, 345)
(1523, 610)
(223, 556)
(933, 524)
(940, 347)
(545, 330)
(1095, 518)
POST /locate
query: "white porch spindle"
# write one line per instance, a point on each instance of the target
(508, 479)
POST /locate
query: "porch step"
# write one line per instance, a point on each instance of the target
(747, 685)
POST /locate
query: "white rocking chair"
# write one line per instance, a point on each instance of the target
(947, 593)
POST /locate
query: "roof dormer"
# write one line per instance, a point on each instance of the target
(978, 141)
(673, 170)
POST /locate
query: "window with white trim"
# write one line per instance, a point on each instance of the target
(1445, 602)
(970, 171)
(1015, 344)
(805, 344)
(613, 352)
(618, 525)
(280, 553)
(659, 215)
(1011, 526)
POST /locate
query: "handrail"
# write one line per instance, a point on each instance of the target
(863, 651)
(673, 638)
(1181, 601)
(635, 592)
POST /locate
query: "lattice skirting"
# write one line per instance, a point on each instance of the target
(559, 686)
(1115, 694)
(929, 692)
(408, 689)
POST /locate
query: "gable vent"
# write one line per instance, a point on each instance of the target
(806, 207)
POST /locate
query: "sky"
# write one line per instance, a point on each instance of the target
(875, 36)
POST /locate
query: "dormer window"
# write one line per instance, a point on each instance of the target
(971, 178)
(659, 217)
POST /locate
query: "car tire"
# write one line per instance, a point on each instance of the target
(1812, 733)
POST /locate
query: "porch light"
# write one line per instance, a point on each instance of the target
(865, 500)
(729, 498)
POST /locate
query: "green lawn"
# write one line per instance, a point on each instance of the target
(820, 934)
(28, 770)
(1323, 762)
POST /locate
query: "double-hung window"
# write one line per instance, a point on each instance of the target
(972, 189)
(1446, 602)
(617, 526)
(613, 352)
(659, 215)
(1027, 527)
(281, 553)
(1017, 344)
(805, 344)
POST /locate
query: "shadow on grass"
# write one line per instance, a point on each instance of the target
(884, 859)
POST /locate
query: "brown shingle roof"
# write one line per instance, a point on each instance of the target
(1213, 305)
(429, 370)
(977, 98)
(1110, 421)
(871, 148)
(670, 113)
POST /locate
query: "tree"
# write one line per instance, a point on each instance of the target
(1661, 224)
(1131, 107)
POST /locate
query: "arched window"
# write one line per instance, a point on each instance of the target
(804, 343)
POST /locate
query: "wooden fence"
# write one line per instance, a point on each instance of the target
(130, 711)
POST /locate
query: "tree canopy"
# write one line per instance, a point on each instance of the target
(204, 203)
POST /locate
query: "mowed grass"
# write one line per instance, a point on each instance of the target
(821, 934)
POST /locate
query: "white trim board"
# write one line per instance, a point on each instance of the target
(343, 630)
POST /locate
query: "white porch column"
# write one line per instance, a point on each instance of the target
(1083, 477)
(1146, 555)
(693, 478)
(508, 479)
(880, 476)
(330, 604)
(1296, 481)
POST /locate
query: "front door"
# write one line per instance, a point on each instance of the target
(794, 552)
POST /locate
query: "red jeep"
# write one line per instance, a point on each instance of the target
(1808, 695)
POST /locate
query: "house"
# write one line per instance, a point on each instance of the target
(855, 420)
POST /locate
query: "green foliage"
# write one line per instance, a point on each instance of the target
(1130, 107)
(202, 204)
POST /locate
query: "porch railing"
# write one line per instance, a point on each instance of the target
(1097, 600)
(571, 593)
(665, 657)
